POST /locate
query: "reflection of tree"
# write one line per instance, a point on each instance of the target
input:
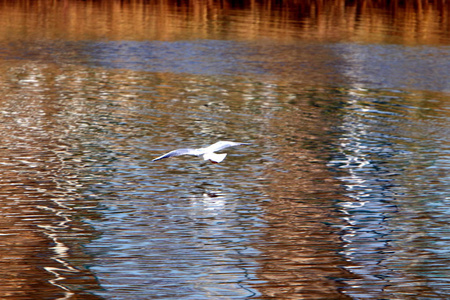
(374, 21)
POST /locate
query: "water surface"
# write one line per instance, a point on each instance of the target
(343, 193)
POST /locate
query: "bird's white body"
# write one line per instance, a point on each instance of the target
(214, 157)
(207, 153)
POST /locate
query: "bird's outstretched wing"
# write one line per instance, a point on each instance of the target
(178, 152)
(222, 145)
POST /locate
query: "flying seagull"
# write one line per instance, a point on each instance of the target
(207, 152)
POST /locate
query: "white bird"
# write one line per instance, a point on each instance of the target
(207, 152)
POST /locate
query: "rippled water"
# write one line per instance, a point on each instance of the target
(343, 193)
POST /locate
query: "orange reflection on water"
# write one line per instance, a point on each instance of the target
(301, 249)
(40, 254)
(408, 22)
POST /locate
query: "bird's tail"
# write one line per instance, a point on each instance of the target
(214, 157)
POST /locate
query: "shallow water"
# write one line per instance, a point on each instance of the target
(343, 193)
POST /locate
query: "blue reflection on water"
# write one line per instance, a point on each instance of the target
(381, 66)
(376, 66)
(184, 235)
(395, 204)
(387, 66)
(207, 57)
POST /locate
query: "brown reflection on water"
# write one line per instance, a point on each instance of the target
(408, 22)
(300, 254)
(41, 252)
